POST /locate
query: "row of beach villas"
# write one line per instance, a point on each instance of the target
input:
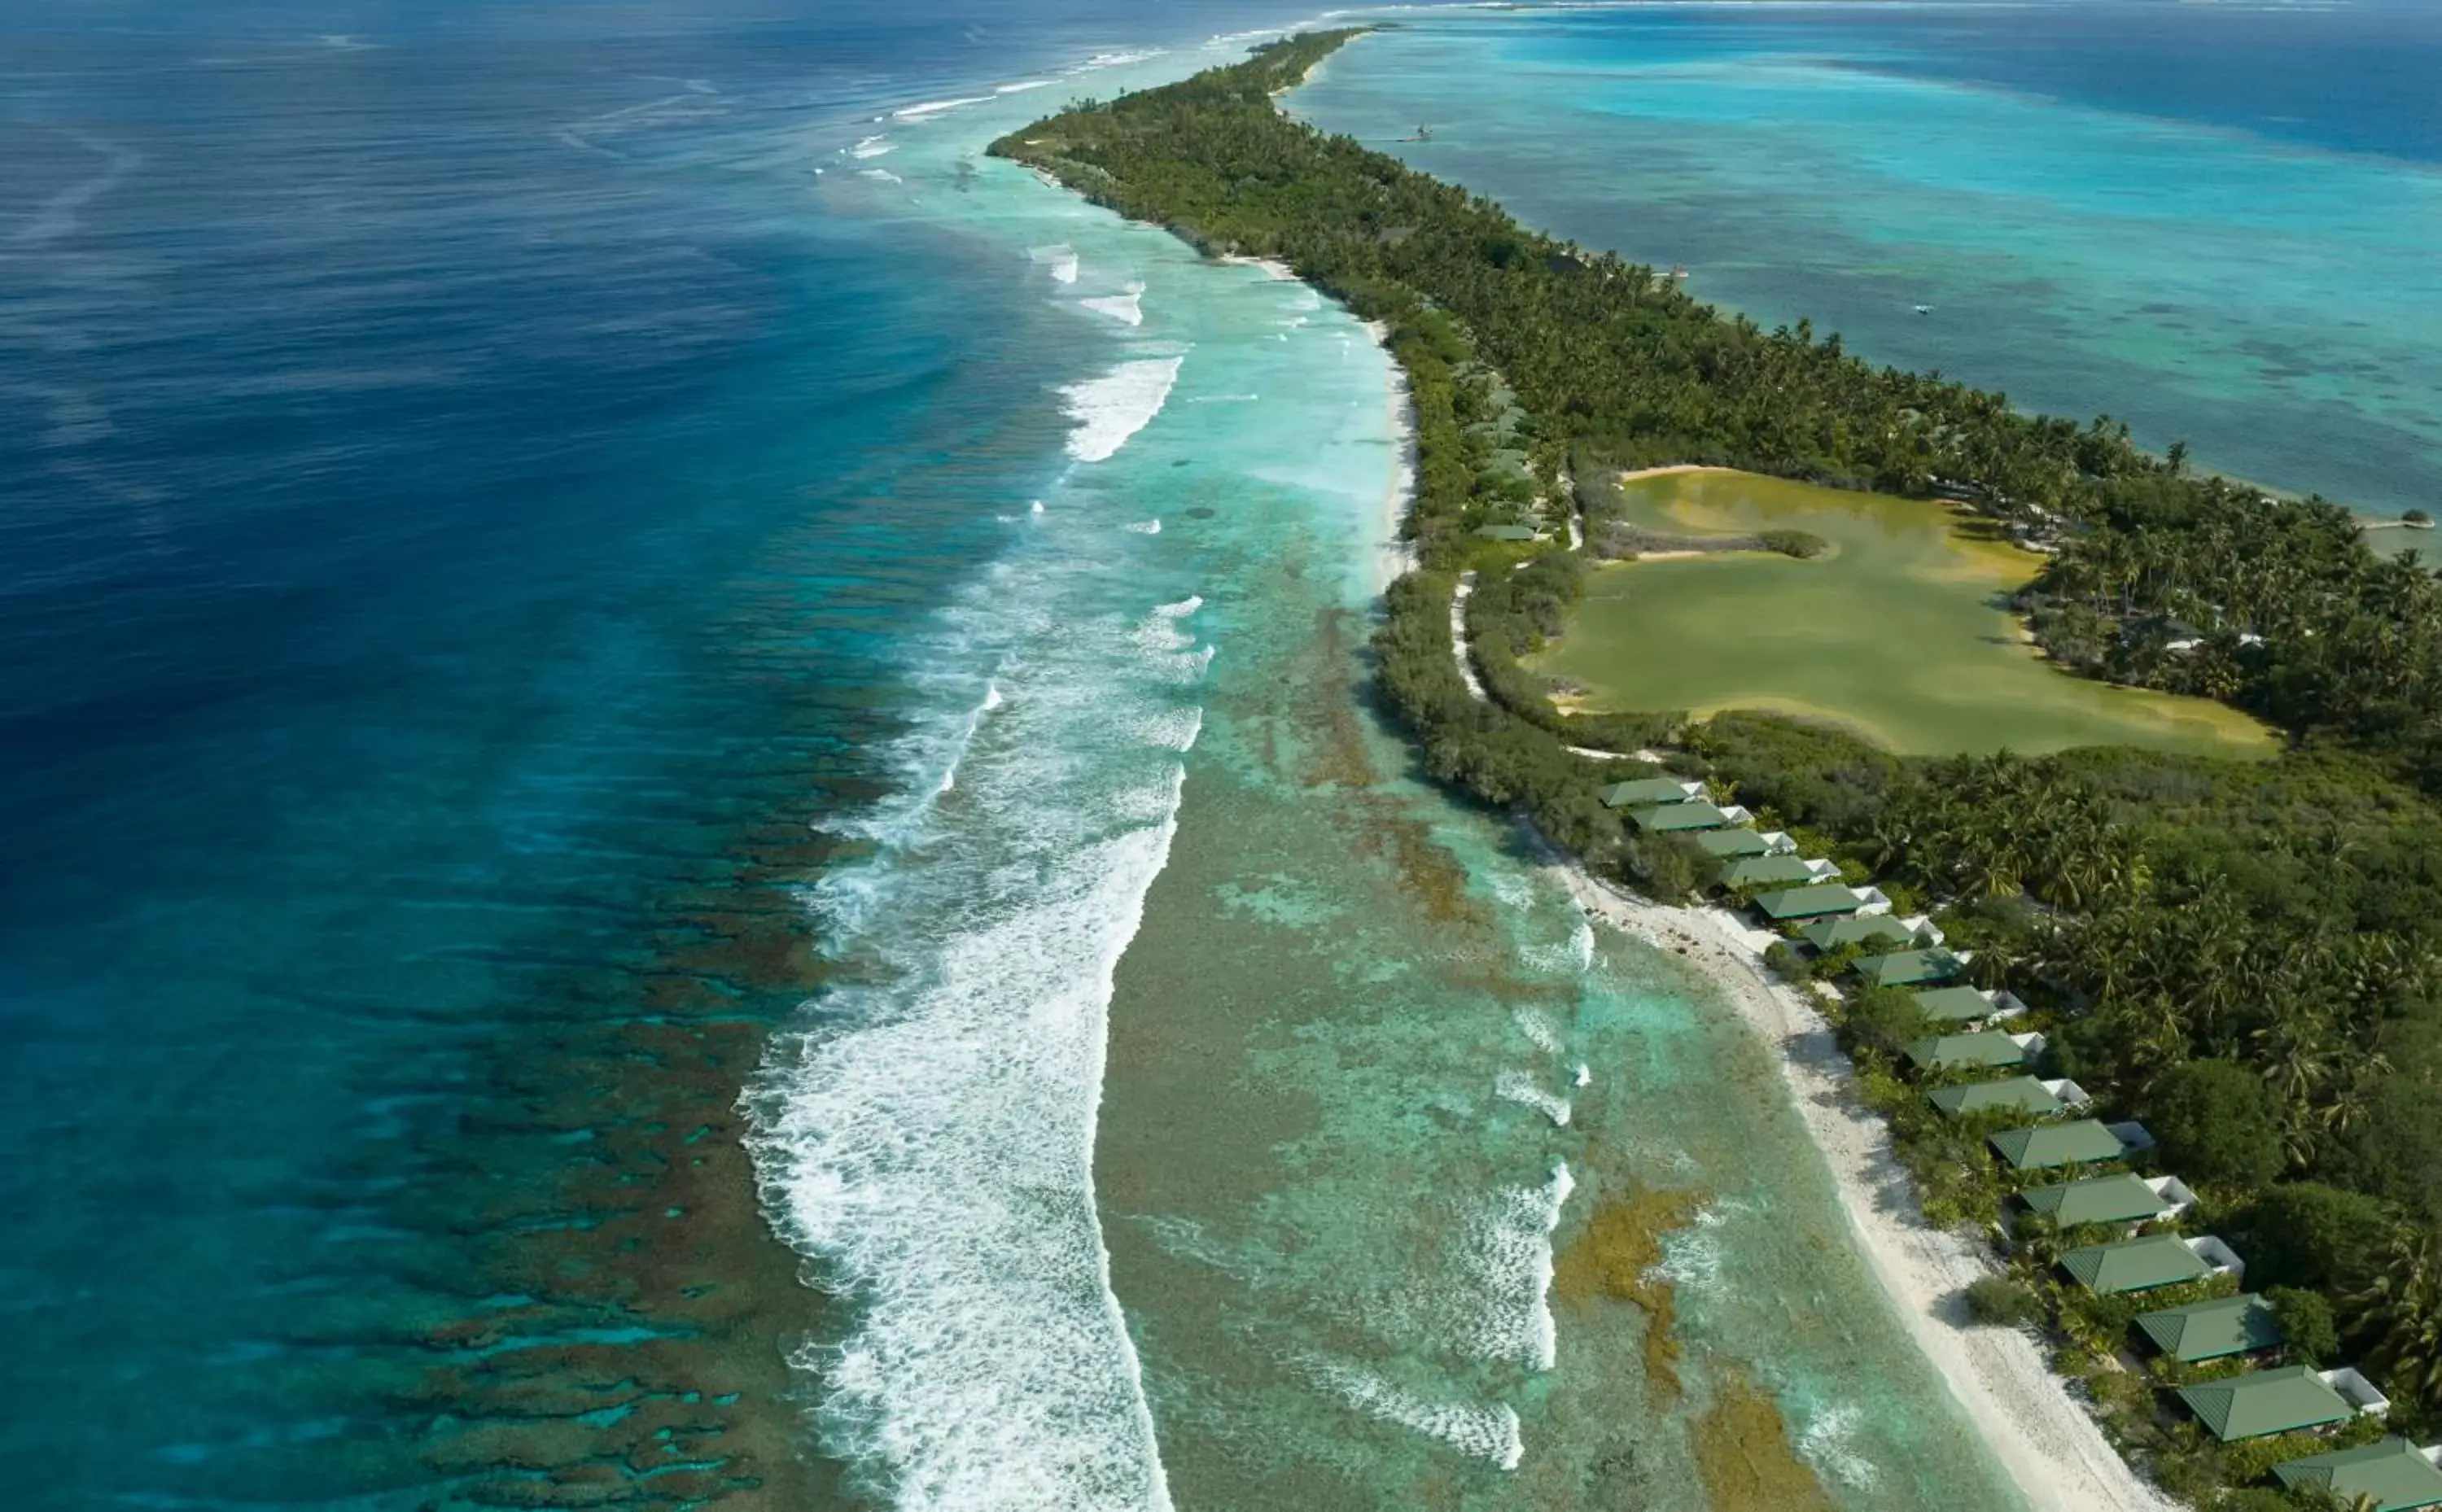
(1805, 898)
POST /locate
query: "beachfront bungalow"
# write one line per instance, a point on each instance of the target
(2049, 1146)
(2281, 1401)
(1864, 930)
(2012, 1094)
(2213, 1330)
(1966, 1005)
(1776, 871)
(2155, 1260)
(2393, 1476)
(1676, 818)
(1907, 968)
(1729, 844)
(1647, 792)
(1817, 901)
(2120, 1198)
(1942, 1052)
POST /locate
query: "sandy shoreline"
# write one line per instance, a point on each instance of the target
(1673, 470)
(2050, 1448)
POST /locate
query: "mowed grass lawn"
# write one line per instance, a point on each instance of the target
(1899, 631)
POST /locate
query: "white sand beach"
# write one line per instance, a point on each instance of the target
(2046, 1440)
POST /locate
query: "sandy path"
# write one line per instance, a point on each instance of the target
(1673, 470)
(2051, 1449)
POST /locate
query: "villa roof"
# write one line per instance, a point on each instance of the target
(1732, 843)
(1645, 790)
(1990, 1048)
(2395, 1474)
(1909, 967)
(1752, 871)
(1834, 933)
(2047, 1145)
(1953, 1005)
(1667, 817)
(2018, 1093)
(2135, 1265)
(2115, 1198)
(2209, 1330)
(2266, 1401)
(1810, 902)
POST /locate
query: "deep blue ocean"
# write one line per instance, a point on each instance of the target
(465, 503)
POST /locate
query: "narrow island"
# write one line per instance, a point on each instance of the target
(2156, 1033)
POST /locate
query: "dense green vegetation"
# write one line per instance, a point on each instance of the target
(2248, 955)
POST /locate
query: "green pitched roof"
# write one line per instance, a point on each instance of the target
(2047, 1145)
(1834, 933)
(1810, 902)
(1732, 843)
(2117, 1199)
(1673, 817)
(1643, 791)
(1953, 1005)
(2209, 1330)
(2135, 1265)
(2020, 1094)
(2394, 1473)
(1756, 872)
(2266, 1401)
(1990, 1048)
(1909, 967)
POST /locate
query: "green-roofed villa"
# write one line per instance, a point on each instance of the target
(2393, 1475)
(1877, 931)
(1990, 1048)
(1819, 900)
(1673, 818)
(1729, 843)
(1647, 792)
(1966, 1005)
(1908, 968)
(2115, 1198)
(2281, 1401)
(2049, 1146)
(1776, 871)
(2213, 1330)
(2015, 1094)
(2156, 1260)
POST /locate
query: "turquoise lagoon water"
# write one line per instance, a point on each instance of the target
(2217, 223)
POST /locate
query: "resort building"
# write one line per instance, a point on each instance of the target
(1966, 1005)
(2049, 1146)
(2155, 1260)
(1776, 871)
(2392, 1476)
(1729, 843)
(1879, 930)
(1647, 792)
(1819, 900)
(2213, 1330)
(2120, 1198)
(1907, 968)
(1990, 1048)
(2015, 1094)
(1672, 818)
(2281, 1401)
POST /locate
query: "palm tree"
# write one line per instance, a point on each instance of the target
(2400, 1306)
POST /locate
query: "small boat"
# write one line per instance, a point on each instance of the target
(1924, 309)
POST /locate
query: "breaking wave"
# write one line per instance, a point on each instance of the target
(1110, 410)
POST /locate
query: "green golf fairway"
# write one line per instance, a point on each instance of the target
(1899, 631)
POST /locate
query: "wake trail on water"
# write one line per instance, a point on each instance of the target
(926, 1134)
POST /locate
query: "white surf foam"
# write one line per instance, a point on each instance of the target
(928, 1135)
(1115, 60)
(1521, 1088)
(1182, 609)
(938, 107)
(884, 174)
(873, 147)
(1127, 307)
(1225, 398)
(1485, 1433)
(1830, 1443)
(1176, 729)
(1540, 1031)
(1022, 86)
(1059, 258)
(1110, 410)
(1145, 527)
(1585, 1074)
(1035, 508)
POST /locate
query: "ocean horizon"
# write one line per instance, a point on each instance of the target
(693, 807)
